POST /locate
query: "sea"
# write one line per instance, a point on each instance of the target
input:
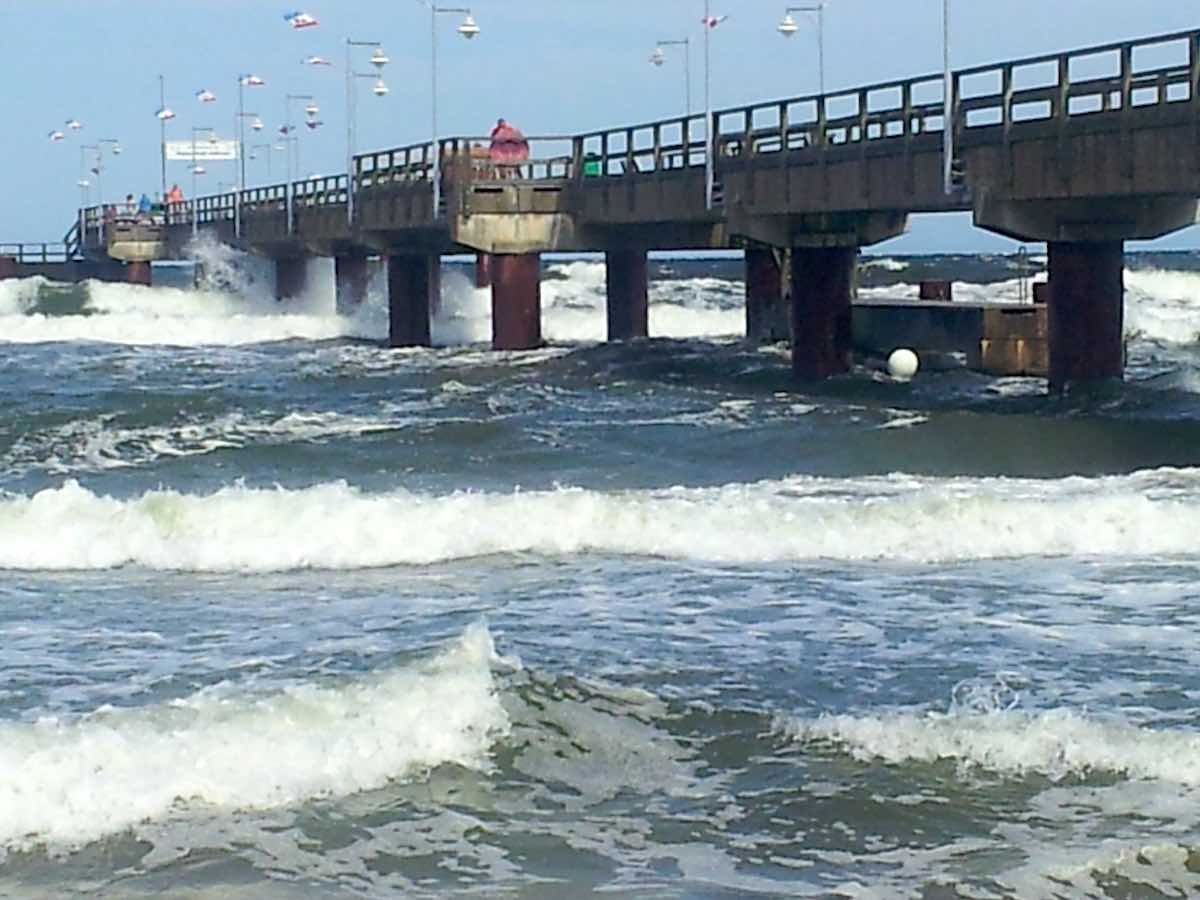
(285, 613)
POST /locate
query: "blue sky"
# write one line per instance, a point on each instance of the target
(550, 66)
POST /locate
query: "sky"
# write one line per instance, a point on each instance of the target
(548, 66)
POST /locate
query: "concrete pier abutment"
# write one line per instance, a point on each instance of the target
(291, 277)
(412, 282)
(822, 289)
(351, 277)
(1086, 312)
(768, 316)
(138, 273)
(516, 301)
(627, 290)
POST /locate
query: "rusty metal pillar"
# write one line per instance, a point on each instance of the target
(822, 287)
(628, 291)
(483, 270)
(1086, 312)
(138, 273)
(767, 315)
(412, 281)
(291, 277)
(350, 280)
(8, 267)
(516, 301)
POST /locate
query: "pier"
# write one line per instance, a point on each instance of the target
(1082, 150)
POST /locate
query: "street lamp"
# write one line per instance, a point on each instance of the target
(164, 115)
(708, 114)
(948, 186)
(243, 82)
(379, 59)
(659, 56)
(198, 169)
(788, 28)
(98, 147)
(270, 149)
(468, 29)
(290, 138)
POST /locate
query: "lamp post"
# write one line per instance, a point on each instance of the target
(269, 148)
(289, 139)
(708, 116)
(788, 28)
(243, 82)
(659, 56)
(98, 147)
(163, 115)
(948, 105)
(379, 59)
(197, 169)
(468, 29)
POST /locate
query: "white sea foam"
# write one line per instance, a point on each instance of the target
(573, 307)
(1056, 744)
(97, 444)
(1163, 306)
(335, 526)
(235, 306)
(19, 295)
(67, 782)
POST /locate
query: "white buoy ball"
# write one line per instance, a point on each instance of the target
(903, 364)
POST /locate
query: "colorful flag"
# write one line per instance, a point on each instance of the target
(301, 20)
(206, 96)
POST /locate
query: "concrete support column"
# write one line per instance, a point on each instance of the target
(483, 270)
(767, 314)
(291, 277)
(350, 279)
(822, 287)
(138, 273)
(412, 281)
(628, 290)
(1086, 311)
(8, 267)
(516, 301)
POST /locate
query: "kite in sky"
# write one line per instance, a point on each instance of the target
(301, 20)
(206, 96)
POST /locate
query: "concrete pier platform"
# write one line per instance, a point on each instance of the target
(996, 338)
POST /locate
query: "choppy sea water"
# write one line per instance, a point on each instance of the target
(284, 613)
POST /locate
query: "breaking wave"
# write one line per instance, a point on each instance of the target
(336, 526)
(68, 782)
(1056, 744)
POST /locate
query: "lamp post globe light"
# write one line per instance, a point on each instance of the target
(289, 138)
(788, 27)
(197, 170)
(659, 56)
(379, 60)
(468, 29)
